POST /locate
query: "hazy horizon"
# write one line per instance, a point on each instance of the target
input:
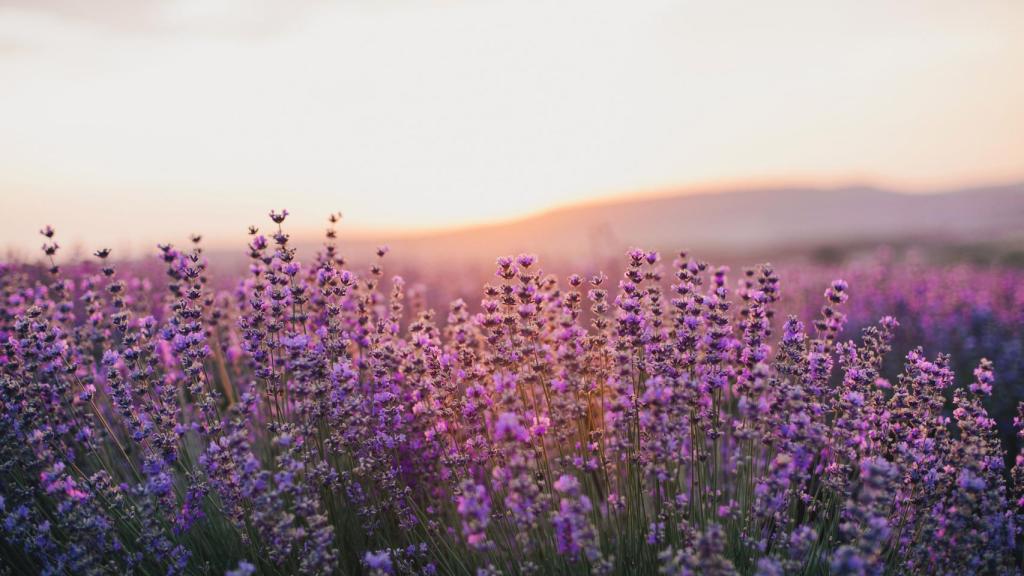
(785, 205)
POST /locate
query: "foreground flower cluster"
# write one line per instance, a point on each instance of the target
(320, 420)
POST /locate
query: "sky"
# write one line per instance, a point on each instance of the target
(127, 122)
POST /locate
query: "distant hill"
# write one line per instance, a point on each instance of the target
(754, 221)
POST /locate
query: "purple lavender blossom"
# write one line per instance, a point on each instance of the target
(317, 418)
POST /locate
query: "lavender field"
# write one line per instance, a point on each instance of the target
(679, 418)
(646, 288)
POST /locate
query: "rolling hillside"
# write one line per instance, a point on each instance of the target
(733, 222)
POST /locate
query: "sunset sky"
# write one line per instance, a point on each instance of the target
(124, 122)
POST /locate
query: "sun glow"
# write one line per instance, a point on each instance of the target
(453, 113)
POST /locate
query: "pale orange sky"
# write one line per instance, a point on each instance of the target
(124, 123)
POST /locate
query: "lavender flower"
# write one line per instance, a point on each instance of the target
(315, 418)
